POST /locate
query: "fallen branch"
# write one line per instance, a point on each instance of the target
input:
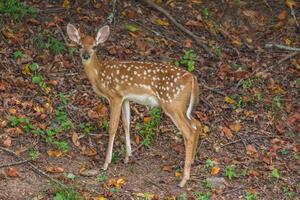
(33, 167)
(280, 46)
(181, 27)
(14, 164)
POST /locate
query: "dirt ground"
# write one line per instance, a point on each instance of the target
(249, 103)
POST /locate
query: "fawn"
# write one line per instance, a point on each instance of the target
(175, 90)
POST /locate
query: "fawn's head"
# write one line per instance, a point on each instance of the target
(88, 44)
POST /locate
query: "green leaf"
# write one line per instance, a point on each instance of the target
(34, 66)
(17, 54)
(132, 28)
(275, 173)
(37, 79)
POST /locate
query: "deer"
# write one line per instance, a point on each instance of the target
(173, 89)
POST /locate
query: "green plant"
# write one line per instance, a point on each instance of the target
(246, 84)
(105, 125)
(277, 100)
(202, 195)
(37, 77)
(16, 9)
(101, 177)
(17, 54)
(61, 145)
(188, 60)
(205, 12)
(86, 128)
(15, 121)
(39, 42)
(250, 196)
(209, 163)
(181, 197)
(67, 194)
(146, 131)
(56, 47)
(32, 153)
(275, 173)
(207, 184)
(230, 172)
(69, 175)
(72, 51)
(288, 193)
(113, 158)
(218, 51)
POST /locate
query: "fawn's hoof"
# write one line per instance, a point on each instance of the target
(105, 166)
(182, 183)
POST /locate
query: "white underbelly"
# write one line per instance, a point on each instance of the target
(144, 99)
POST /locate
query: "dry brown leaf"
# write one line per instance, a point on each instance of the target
(251, 149)
(12, 172)
(282, 15)
(2, 86)
(89, 152)
(236, 127)
(54, 169)
(290, 3)
(214, 170)
(227, 132)
(253, 173)
(188, 43)
(167, 168)
(93, 114)
(137, 139)
(75, 139)
(7, 142)
(54, 153)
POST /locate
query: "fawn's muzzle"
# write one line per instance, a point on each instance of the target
(85, 55)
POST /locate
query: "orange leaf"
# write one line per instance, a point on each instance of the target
(90, 152)
(54, 169)
(177, 174)
(137, 139)
(147, 119)
(236, 127)
(54, 153)
(214, 170)
(251, 149)
(290, 3)
(12, 172)
(93, 114)
(282, 15)
(7, 142)
(227, 132)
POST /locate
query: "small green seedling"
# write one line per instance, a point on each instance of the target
(250, 196)
(67, 194)
(17, 54)
(56, 47)
(72, 51)
(277, 100)
(86, 128)
(230, 172)
(205, 12)
(69, 175)
(34, 66)
(202, 195)
(218, 51)
(188, 60)
(209, 163)
(275, 173)
(32, 153)
(207, 184)
(62, 145)
(288, 193)
(16, 9)
(101, 177)
(246, 84)
(39, 42)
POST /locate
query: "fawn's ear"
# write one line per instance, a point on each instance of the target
(73, 33)
(102, 35)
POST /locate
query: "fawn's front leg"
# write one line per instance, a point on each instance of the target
(126, 125)
(115, 111)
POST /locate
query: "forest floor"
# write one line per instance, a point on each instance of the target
(249, 105)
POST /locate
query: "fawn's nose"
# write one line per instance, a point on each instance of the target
(85, 55)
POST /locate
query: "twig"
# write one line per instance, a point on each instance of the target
(181, 27)
(15, 163)
(213, 90)
(280, 46)
(32, 166)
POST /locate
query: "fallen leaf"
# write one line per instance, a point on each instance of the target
(66, 4)
(282, 15)
(54, 153)
(12, 172)
(167, 168)
(7, 142)
(214, 170)
(75, 139)
(2, 86)
(147, 119)
(89, 173)
(236, 127)
(227, 132)
(93, 114)
(118, 183)
(290, 3)
(26, 69)
(101, 198)
(12, 111)
(229, 100)
(177, 174)
(251, 149)
(188, 43)
(137, 139)
(89, 152)
(162, 22)
(54, 169)
(132, 28)
(253, 173)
